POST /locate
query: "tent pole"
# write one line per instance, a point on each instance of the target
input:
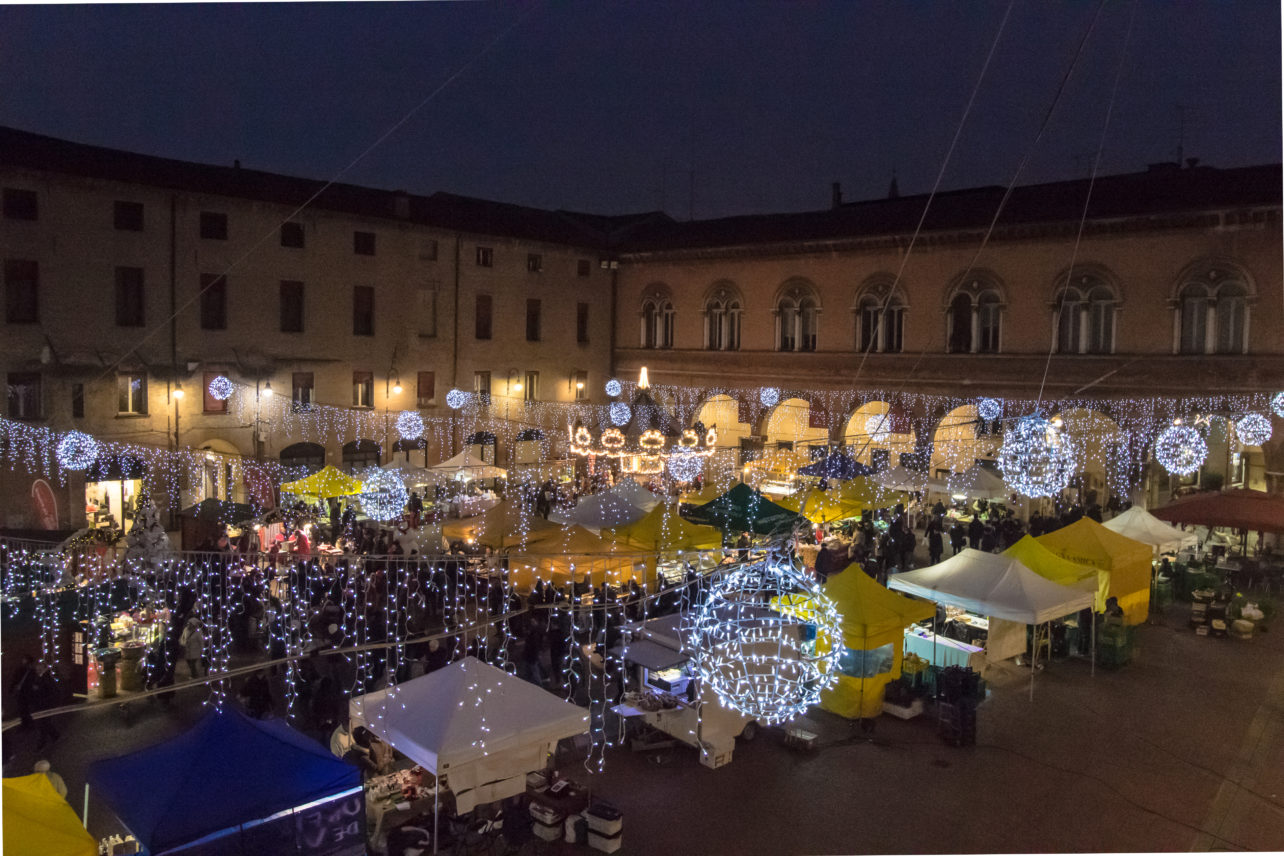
(85, 814)
(1092, 628)
(436, 789)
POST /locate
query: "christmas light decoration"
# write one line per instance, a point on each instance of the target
(685, 466)
(456, 399)
(1277, 404)
(77, 451)
(221, 388)
(1181, 449)
(758, 661)
(1037, 458)
(989, 409)
(410, 425)
(879, 428)
(613, 387)
(1254, 429)
(769, 396)
(621, 413)
(383, 494)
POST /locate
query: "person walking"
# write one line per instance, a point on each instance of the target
(31, 686)
(935, 541)
(193, 642)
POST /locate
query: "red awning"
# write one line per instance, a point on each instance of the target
(1253, 510)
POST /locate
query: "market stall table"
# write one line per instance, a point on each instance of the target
(941, 651)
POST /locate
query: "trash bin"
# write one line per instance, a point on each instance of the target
(107, 660)
(131, 677)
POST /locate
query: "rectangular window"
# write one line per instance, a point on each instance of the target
(1194, 324)
(426, 393)
(213, 302)
(893, 329)
(291, 306)
(292, 235)
(481, 386)
(363, 243)
(582, 267)
(363, 310)
(532, 320)
(481, 317)
(77, 401)
(132, 394)
(581, 386)
(989, 318)
(363, 389)
(214, 225)
(301, 394)
(20, 204)
(485, 257)
(427, 309)
(581, 323)
(131, 305)
(534, 262)
(24, 395)
(530, 390)
(21, 291)
(428, 250)
(211, 404)
(128, 216)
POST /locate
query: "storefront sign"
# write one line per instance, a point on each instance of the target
(44, 505)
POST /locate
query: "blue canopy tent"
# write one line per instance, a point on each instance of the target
(836, 466)
(233, 784)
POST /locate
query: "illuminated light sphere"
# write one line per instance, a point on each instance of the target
(621, 413)
(1037, 459)
(221, 388)
(878, 428)
(685, 466)
(383, 494)
(77, 451)
(613, 387)
(456, 399)
(769, 396)
(1180, 449)
(1277, 404)
(1253, 429)
(989, 409)
(410, 425)
(760, 662)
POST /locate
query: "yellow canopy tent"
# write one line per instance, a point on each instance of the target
(662, 530)
(1087, 542)
(574, 554)
(865, 492)
(39, 822)
(324, 484)
(505, 526)
(873, 618)
(819, 506)
(1047, 564)
(708, 493)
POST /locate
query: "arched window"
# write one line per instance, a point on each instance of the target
(360, 454)
(1194, 319)
(1102, 305)
(1211, 310)
(880, 318)
(1084, 313)
(1069, 310)
(657, 321)
(989, 322)
(974, 316)
(722, 319)
(1231, 311)
(797, 319)
(959, 322)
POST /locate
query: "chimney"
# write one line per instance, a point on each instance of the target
(837, 194)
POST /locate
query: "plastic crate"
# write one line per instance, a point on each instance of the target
(604, 819)
(605, 843)
(714, 760)
(547, 832)
(545, 814)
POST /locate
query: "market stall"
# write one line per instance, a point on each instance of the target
(39, 822)
(1140, 525)
(900, 478)
(235, 785)
(574, 554)
(327, 483)
(836, 466)
(626, 502)
(210, 518)
(975, 482)
(465, 466)
(743, 509)
(662, 529)
(1087, 542)
(1047, 564)
(999, 588)
(478, 729)
(503, 526)
(1246, 510)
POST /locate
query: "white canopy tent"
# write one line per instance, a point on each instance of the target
(1140, 525)
(899, 478)
(467, 466)
(480, 727)
(625, 503)
(976, 482)
(411, 475)
(996, 586)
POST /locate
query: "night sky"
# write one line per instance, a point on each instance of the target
(609, 106)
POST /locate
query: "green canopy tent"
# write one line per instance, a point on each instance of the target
(743, 509)
(206, 519)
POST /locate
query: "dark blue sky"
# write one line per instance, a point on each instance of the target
(589, 105)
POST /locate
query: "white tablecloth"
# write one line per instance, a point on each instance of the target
(946, 652)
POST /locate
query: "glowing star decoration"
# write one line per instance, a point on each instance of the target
(383, 494)
(1277, 404)
(410, 425)
(878, 428)
(221, 388)
(621, 413)
(769, 396)
(613, 387)
(1037, 458)
(456, 399)
(685, 466)
(1253, 429)
(77, 451)
(1181, 450)
(989, 409)
(758, 661)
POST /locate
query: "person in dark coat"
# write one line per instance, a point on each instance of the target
(957, 538)
(32, 687)
(975, 530)
(935, 541)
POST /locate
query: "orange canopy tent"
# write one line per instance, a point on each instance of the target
(1236, 509)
